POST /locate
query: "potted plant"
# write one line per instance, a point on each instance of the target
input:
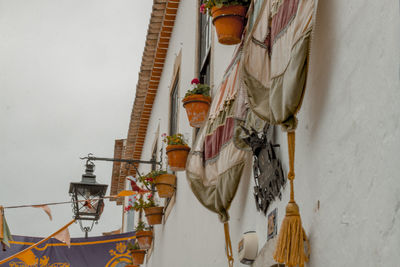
(137, 253)
(164, 182)
(228, 18)
(129, 263)
(144, 235)
(177, 151)
(152, 211)
(197, 102)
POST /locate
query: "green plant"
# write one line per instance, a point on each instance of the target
(141, 203)
(176, 139)
(209, 4)
(198, 88)
(134, 246)
(149, 179)
(141, 226)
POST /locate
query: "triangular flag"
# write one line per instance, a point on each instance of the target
(64, 237)
(126, 193)
(46, 209)
(28, 258)
(5, 234)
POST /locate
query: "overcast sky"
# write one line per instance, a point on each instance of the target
(68, 73)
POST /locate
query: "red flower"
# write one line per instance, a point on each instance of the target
(203, 8)
(195, 80)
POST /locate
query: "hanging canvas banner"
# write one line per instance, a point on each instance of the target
(215, 163)
(108, 251)
(275, 60)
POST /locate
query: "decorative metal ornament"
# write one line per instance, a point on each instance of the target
(267, 168)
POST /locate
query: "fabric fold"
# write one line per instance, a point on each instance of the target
(275, 60)
(216, 163)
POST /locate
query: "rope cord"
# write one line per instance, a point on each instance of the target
(56, 203)
(291, 149)
(229, 253)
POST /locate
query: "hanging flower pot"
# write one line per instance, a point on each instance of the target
(177, 151)
(229, 23)
(144, 238)
(197, 109)
(138, 256)
(197, 102)
(154, 215)
(165, 185)
(177, 156)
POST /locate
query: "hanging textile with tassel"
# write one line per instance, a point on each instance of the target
(219, 158)
(274, 72)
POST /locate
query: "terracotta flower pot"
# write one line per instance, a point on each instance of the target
(177, 156)
(165, 184)
(154, 215)
(144, 239)
(138, 256)
(229, 23)
(196, 109)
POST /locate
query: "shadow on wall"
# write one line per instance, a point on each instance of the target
(245, 186)
(323, 50)
(321, 61)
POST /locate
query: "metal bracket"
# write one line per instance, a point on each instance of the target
(90, 157)
(131, 162)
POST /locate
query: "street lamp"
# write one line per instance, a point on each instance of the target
(87, 198)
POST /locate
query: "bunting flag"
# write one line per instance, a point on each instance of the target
(108, 251)
(5, 235)
(64, 237)
(46, 209)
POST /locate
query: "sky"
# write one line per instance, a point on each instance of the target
(68, 73)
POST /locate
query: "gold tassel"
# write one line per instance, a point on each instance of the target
(290, 244)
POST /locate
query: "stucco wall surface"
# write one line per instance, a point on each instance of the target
(347, 146)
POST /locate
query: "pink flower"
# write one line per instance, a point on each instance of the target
(149, 196)
(164, 135)
(202, 10)
(195, 80)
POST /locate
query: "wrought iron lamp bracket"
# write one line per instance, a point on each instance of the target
(131, 162)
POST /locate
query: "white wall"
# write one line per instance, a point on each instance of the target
(346, 147)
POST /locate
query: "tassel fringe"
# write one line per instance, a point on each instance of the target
(290, 248)
(290, 244)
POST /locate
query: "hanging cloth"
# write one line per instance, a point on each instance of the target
(275, 60)
(5, 235)
(215, 164)
(218, 157)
